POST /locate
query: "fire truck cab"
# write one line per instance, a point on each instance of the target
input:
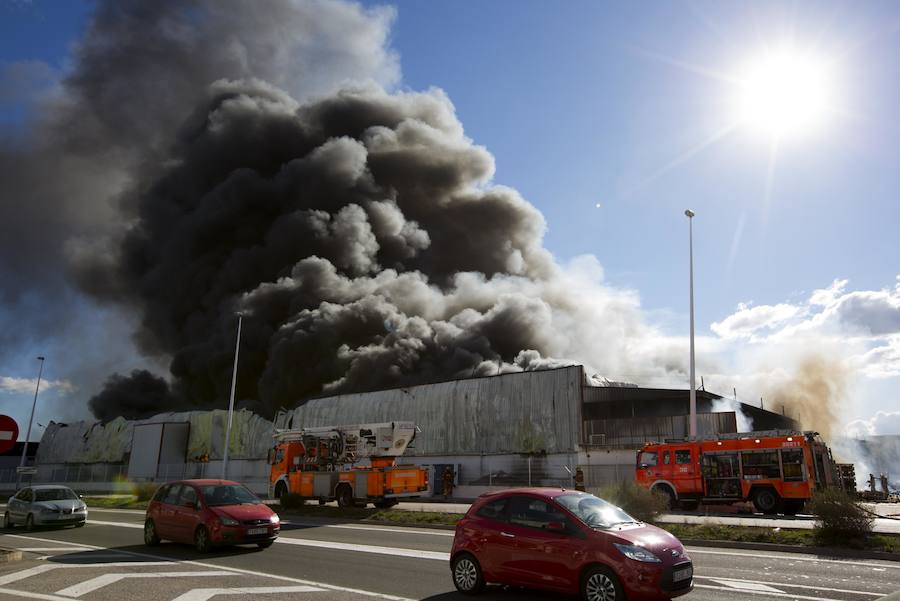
(776, 470)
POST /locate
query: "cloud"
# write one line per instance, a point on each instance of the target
(22, 385)
(747, 321)
(883, 422)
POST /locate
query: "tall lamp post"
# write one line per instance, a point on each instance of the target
(237, 347)
(30, 420)
(693, 408)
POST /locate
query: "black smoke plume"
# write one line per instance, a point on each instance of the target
(210, 158)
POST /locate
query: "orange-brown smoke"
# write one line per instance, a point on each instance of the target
(812, 393)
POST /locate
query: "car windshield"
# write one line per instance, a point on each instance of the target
(228, 494)
(54, 494)
(593, 511)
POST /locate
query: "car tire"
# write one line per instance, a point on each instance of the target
(344, 496)
(201, 540)
(79, 525)
(600, 584)
(151, 538)
(7, 521)
(467, 576)
(266, 544)
(29, 523)
(766, 501)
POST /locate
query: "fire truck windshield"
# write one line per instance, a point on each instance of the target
(593, 511)
(647, 458)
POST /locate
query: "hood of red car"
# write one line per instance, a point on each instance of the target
(244, 512)
(654, 539)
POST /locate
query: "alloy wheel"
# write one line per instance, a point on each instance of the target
(465, 574)
(600, 587)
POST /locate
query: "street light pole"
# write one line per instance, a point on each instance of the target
(237, 347)
(693, 407)
(30, 420)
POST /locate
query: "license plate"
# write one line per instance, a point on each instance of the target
(252, 531)
(682, 574)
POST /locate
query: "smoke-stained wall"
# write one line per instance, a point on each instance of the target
(513, 413)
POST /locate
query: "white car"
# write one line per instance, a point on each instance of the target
(46, 505)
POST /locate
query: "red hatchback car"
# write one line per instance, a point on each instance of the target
(206, 513)
(567, 541)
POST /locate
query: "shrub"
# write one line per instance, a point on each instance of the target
(840, 520)
(639, 502)
(291, 501)
(144, 491)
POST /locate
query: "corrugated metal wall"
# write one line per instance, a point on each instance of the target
(509, 413)
(634, 432)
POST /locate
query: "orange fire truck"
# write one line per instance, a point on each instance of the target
(355, 465)
(776, 470)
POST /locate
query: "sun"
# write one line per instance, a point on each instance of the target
(785, 94)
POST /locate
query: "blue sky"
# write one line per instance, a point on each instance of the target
(597, 113)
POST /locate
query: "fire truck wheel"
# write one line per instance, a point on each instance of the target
(280, 490)
(344, 496)
(766, 500)
(671, 501)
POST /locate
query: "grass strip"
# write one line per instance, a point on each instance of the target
(804, 538)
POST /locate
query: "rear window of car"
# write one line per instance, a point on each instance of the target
(492, 510)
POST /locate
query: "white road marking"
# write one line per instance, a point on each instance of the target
(89, 586)
(803, 586)
(27, 595)
(37, 570)
(745, 585)
(770, 594)
(203, 594)
(396, 551)
(43, 549)
(119, 524)
(387, 529)
(792, 557)
(166, 561)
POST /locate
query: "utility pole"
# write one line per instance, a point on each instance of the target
(30, 420)
(693, 410)
(237, 347)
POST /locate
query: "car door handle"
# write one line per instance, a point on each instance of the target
(507, 535)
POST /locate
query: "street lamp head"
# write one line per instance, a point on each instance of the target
(689, 213)
(40, 358)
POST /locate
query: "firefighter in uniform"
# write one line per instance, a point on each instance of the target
(448, 482)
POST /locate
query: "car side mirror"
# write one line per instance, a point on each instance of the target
(555, 527)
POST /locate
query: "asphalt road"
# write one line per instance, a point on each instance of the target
(106, 561)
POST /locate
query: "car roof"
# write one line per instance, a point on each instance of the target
(207, 482)
(539, 492)
(48, 486)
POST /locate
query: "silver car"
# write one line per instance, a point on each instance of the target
(46, 505)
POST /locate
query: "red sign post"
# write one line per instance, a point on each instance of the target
(9, 433)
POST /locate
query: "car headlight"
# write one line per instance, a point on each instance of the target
(82, 508)
(226, 521)
(275, 519)
(637, 553)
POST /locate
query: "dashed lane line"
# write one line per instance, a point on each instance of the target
(395, 551)
(203, 594)
(89, 586)
(788, 557)
(118, 524)
(725, 581)
(767, 593)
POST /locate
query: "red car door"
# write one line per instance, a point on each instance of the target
(493, 541)
(543, 557)
(186, 514)
(165, 521)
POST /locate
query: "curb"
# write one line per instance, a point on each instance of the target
(825, 552)
(10, 555)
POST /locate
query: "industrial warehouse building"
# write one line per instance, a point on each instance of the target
(509, 429)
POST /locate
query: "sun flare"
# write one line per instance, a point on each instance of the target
(785, 94)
